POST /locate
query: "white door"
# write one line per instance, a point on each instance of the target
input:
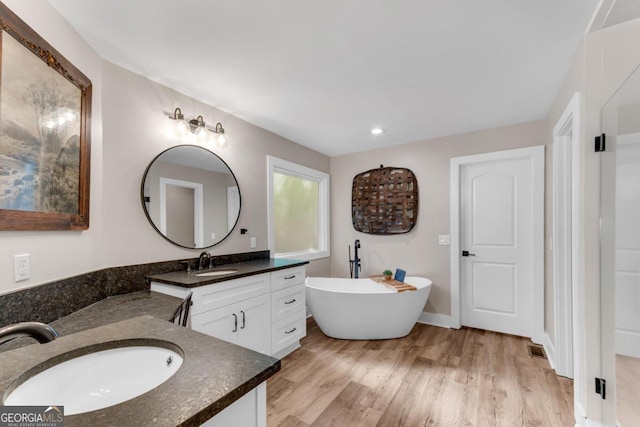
(498, 242)
(627, 251)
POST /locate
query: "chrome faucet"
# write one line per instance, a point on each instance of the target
(40, 331)
(202, 259)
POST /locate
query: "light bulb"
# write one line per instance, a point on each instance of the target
(182, 128)
(221, 140)
(201, 133)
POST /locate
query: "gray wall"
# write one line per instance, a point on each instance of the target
(214, 187)
(418, 251)
(129, 128)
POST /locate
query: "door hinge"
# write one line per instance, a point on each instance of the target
(601, 387)
(601, 143)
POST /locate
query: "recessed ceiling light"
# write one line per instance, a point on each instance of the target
(377, 131)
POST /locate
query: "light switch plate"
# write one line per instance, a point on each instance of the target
(253, 243)
(21, 267)
(444, 239)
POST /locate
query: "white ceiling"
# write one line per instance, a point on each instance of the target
(194, 157)
(323, 73)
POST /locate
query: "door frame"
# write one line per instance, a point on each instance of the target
(536, 157)
(565, 236)
(198, 207)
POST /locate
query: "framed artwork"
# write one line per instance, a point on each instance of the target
(384, 201)
(45, 114)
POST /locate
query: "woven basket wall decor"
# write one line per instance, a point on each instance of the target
(384, 201)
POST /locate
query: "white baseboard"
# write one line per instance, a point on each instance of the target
(434, 319)
(628, 343)
(549, 349)
(588, 423)
(582, 420)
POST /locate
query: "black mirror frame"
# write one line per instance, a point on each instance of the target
(146, 211)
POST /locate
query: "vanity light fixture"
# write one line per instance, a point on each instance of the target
(377, 131)
(182, 127)
(221, 138)
(199, 128)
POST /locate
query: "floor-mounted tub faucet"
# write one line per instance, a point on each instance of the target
(355, 264)
(40, 331)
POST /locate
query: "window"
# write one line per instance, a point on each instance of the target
(298, 211)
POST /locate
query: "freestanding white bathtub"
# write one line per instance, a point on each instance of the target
(361, 309)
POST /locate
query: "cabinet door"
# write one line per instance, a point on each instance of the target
(222, 323)
(254, 324)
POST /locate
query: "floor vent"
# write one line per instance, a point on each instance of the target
(537, 351)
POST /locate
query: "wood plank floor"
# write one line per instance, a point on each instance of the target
(432, 377)
(628, 384)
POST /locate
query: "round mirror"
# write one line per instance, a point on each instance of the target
(190, 196)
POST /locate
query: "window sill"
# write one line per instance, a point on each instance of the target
(304, 255)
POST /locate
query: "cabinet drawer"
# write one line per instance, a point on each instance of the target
(210, 297)
(287, 301)
(286, 278)
(288, 330)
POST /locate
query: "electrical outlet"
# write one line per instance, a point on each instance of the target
(21, 267)
(253, 243)
(444, 239)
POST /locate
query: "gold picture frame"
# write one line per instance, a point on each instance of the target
(45, 121)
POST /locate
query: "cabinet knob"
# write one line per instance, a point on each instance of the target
(235, 323)
(243, 320)
(290, 302)
(291, 331)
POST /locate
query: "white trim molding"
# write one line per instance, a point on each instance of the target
(582, 420)
(536, 156)
(285, 167)
(567, 136)
(198, 207)
(549, 350)
(435, 319)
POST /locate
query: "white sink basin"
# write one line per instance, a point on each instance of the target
(98, 380)
(216, 273)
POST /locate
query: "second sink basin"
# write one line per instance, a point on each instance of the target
(215, 273)
(98, 380)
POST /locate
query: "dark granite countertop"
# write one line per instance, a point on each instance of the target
(214, 373)
(115, 309)
(243, 269)
(108, 310)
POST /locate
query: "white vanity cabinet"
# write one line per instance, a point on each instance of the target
(265, 312)
(248, 411)
(245, 323)
(288, 310)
